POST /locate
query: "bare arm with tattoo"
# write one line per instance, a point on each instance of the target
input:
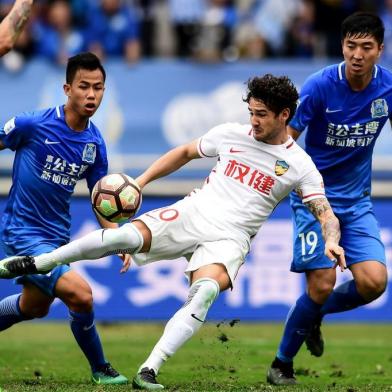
(13, 23)
(330, 227)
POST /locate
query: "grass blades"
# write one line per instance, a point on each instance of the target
(226, 356)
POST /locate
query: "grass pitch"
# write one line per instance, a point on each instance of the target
(221, 357)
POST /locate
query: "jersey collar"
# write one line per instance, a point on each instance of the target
(286, 145)
(342, 67)
(60, 114)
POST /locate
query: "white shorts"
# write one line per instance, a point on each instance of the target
(179, 230)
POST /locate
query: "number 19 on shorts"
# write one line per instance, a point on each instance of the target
(308, 242)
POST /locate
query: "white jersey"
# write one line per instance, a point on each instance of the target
(251, 178)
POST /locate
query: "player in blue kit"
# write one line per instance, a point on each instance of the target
(54, 148)
(344, 108)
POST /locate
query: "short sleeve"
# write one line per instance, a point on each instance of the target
(309, 104)
(208, 145)
(99, 169)
(311, 184)
(17, 131)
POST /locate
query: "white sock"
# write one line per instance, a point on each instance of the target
(97, 244)
(185, 323)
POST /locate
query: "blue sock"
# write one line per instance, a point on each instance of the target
(86, 334)
(342, 298)
(299, 321)
(10, 313)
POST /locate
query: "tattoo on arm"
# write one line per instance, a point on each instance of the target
(18, 18)
(318, 206)
(322, 211)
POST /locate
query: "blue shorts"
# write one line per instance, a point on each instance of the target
(360, 237)
(46, 283)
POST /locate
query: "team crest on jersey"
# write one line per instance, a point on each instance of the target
(379, 108)
(281, 167)
(89, 153)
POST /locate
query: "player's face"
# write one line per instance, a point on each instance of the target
(85, 93)
(360, 55)
(267, 126)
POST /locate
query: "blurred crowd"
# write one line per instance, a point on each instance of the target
(202, 30)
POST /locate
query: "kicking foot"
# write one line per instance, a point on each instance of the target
(314, 340)
(146, 379)
(14, 266)
(107, 375)
(281, 373)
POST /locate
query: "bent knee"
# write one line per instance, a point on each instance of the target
(320, 284)
(320, 291)
(81, 302)
(371, 279)
(216, 273)
(371, 288)
(204, 291)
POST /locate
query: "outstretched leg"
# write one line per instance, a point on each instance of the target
(97, 244)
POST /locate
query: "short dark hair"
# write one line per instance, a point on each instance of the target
(85, 60)
(361, 24)
(276, 92)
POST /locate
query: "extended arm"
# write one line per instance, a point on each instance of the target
(170, 162)
(330, 227)
(13, 23)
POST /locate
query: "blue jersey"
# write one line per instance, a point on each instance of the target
(50, 158)
(342, 128)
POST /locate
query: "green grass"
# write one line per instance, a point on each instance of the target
(44, 357)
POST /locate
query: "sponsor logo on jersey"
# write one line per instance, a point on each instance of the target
(249, 176)
(233, 150)
(89, 153)
(9, 126)
(281, 167)
(379, 108)
(328, 110)
(353, 135)
(47, 141)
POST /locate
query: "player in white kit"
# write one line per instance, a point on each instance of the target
(257, 166)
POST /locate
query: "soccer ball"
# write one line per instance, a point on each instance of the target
(116, 197)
